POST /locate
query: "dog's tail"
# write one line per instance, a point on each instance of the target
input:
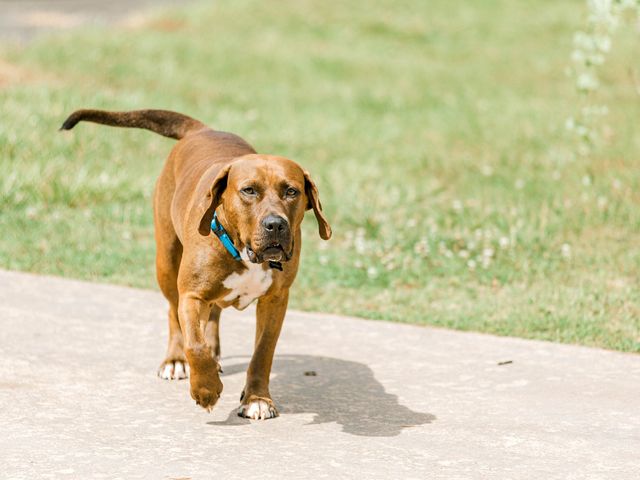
(166, 123)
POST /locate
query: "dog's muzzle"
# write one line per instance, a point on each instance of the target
(274, 244)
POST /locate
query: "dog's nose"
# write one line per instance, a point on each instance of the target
(274, 223)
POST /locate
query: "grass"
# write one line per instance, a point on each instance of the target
(434, 131)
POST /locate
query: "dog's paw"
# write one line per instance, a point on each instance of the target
(204, 379)
(206, 396)
(176, 370)
(258, 408)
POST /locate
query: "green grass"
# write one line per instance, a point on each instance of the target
(434, 131)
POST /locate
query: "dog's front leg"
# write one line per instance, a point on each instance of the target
(205, 382)
(256, 399)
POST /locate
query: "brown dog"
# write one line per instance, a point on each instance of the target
(259, 201)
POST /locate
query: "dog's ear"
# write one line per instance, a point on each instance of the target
(313, 202)
(212, 199)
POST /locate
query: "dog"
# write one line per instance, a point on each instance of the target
(227, 230)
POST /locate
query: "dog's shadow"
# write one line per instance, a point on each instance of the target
(333, 390)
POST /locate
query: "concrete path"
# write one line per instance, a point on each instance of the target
(80, 398)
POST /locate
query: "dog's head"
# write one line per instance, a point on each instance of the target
(264, 199)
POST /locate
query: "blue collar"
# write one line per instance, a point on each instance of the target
(224, 237)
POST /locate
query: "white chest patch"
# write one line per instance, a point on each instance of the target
(248, 285)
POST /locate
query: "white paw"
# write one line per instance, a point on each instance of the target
(174, 371)
(258, 410)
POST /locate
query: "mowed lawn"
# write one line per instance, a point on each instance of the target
(434, 129)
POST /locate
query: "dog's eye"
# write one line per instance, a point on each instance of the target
(291, 192)
(249, 191)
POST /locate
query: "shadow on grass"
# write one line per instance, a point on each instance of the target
(343, 392)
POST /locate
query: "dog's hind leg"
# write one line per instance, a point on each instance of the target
(174, 365)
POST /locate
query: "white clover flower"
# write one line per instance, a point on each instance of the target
(582, 131)
(372, 272)
(31, 212)
(578, 56)
(582, 41)
(503, 242)
(323, 260)
(565, 250)
(471, 264)
(603, 43)
(486, 170)
(591, 45)
(488, 252)
(359, 242)
(583, 150)
(625, 4)
(587, 81)
(463, 253)
(570, 123)
(602, 14)
(388, 258)
(421, 247)
(595, 110)
(602, 202)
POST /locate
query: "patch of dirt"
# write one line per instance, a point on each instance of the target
(144, 20)
(10, 74)
(51, 19)
(167, 24)
(135, 21)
